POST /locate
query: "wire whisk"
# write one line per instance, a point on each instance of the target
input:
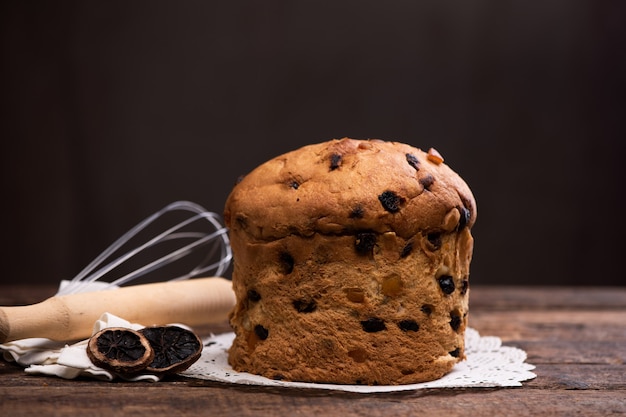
(200, 230)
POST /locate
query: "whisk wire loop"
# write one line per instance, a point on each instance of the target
(216, 239)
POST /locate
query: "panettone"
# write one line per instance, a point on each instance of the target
(351, 264)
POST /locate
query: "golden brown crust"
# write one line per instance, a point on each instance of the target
(335, 187)
(351, 265)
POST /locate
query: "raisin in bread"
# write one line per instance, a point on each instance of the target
(351, 264)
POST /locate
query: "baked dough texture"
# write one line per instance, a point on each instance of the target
(351, 265)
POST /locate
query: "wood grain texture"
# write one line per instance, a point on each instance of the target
(575, 336)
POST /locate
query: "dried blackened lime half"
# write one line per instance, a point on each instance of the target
(175, 348)
(121, 350)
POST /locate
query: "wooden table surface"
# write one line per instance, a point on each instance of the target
(576, 337)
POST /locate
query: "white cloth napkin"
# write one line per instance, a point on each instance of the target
(47, 357)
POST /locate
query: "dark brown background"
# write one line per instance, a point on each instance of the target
(112, 110)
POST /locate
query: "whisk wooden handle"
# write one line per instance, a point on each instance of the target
(71, 317)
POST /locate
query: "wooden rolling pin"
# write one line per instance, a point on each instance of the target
(71, 317)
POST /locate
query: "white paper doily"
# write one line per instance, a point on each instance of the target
(488, 364)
